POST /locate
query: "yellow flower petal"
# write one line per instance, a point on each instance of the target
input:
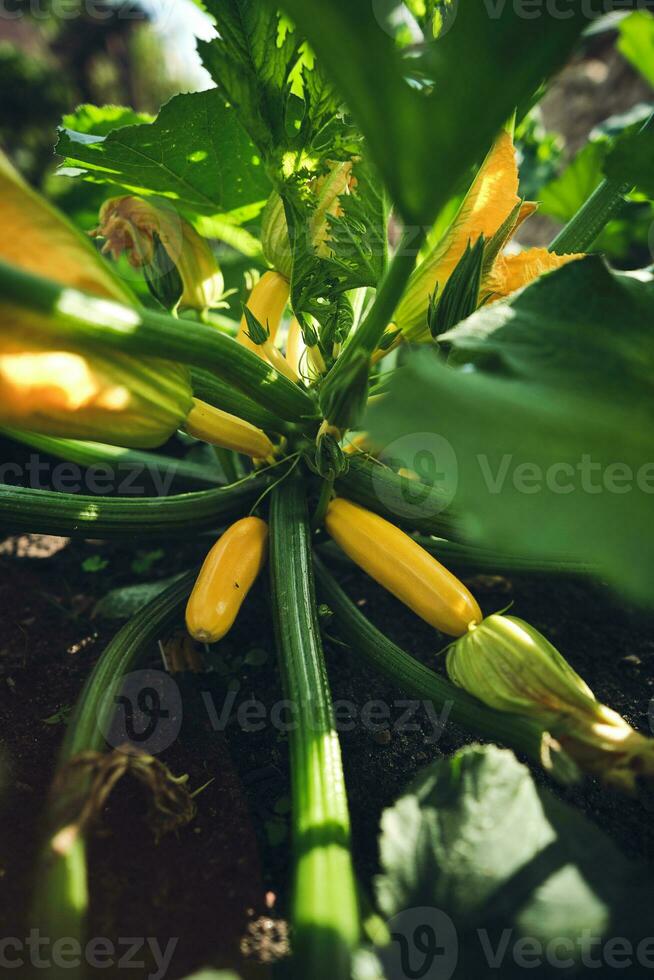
(511, 272)
(37, 238)
(487, 205)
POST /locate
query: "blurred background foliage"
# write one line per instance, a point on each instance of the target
(56, 54)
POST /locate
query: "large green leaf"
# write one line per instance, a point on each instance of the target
(478, 862)
(552, 432)
(195, 153)
(250, 61)
(423, 138)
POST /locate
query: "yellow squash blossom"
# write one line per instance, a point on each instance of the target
(67, 390)
(137, 227)
(491, 208)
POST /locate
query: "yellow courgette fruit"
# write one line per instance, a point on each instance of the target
(227, 575)
(227, 431)
(400, 565)
(267, 302)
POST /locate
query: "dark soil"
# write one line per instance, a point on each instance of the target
(219, 885)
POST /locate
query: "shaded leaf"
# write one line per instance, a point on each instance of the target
(476, 840)
(126, 601)
(552, 431)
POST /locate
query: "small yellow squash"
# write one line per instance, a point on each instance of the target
(400, 565)
(227, 575)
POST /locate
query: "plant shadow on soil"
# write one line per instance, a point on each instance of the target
(220, 884)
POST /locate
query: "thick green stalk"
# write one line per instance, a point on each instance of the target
(604, 203)
(213, 390)
(366, 338)
(123, 518)
(61, 891)
(417, 680)
(471, 556)
(69, 316)
(325, 912)
(399, 499)
(115, 458)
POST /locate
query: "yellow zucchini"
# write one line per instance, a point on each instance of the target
(402, 567)
(227, 575)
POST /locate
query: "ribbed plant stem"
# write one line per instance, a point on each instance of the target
(604, 203)
(325, 912)
(61, 892)
(417, 680)
(23, 509)
(116, 459)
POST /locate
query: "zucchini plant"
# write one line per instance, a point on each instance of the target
(377, 203)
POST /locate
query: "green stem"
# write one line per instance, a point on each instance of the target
(70, 316)
(121, 518)
(61, 890)
(114, 457)
(417, 680)
(326, 492)
(471, 558)
(604, 203)
(227, 459)
(325, 910)
(401, 500)
(366, 338)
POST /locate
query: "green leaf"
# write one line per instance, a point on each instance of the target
(636, 42)
(422, 139)
(129, 599)
(553, 448)
(95, 563)
(195, 153)
(250, 62)
(475, 848)
(96, 120)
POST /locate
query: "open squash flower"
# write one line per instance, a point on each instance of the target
(510, 666)
(491, 209)
(178, 264)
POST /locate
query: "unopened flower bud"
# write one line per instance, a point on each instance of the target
(510, 666)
